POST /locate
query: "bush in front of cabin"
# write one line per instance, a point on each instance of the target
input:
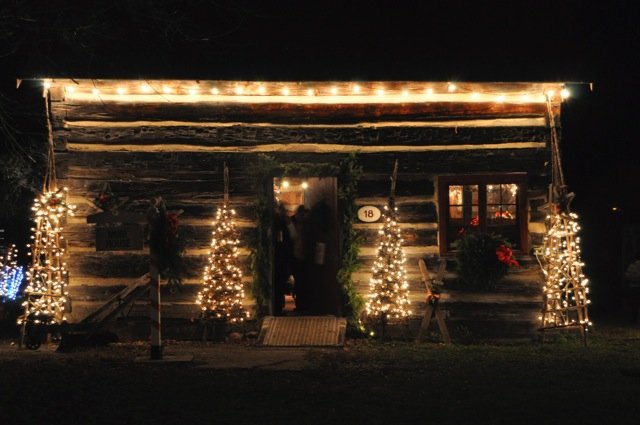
(483, 259)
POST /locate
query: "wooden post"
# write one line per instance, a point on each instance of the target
(155, 216)
(155, 315)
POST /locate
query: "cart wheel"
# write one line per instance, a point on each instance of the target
(32, 343)
(56, 337)
(34, 335)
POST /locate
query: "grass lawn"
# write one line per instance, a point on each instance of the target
(367, 382)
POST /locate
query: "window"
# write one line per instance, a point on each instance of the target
(488, 203)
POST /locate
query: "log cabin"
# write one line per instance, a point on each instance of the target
(464, 150)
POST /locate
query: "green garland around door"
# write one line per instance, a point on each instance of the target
(348, 173)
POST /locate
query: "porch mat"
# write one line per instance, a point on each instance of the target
(305, 331)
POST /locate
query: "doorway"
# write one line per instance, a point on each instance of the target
(305, 247)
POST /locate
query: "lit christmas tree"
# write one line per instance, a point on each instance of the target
(222, 294)
(11, 274)
(47, 278)
(388, 287)
(566, 287)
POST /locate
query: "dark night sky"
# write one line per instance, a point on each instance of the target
(394, 40)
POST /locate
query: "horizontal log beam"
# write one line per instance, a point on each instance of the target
(289, 112)
(248, 135)
(190, 209)
(412, 237)
(192, 236)
(299, 147)
(199, 237)
(144, 126)
(131, 264)
(410, 251)
(173, 165)
(372, 187)
(204, 191)
(59, 87)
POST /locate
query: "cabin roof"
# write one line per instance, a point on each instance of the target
(302, 92)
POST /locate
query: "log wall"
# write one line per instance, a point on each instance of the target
(177, 151)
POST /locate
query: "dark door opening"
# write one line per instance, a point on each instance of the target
(305, 247)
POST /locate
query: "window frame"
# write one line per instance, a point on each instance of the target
(483, 180)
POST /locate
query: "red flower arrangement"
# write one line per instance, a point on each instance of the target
(505, 255)
(504, 214)
(473, 224)
(483, 258)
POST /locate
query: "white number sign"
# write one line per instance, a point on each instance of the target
(369, 214)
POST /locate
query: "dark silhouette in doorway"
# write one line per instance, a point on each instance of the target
(281, 258)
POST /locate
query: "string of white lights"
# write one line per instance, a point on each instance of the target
(11, 274)
(566, 288)
(46, 291)
(257, 92)
(222, 294)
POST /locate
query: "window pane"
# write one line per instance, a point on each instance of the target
(493, 194)
(474, 219)
(498, 215)
(509, 192)
(471, 194)
(499, 201)
(510, 211)
(455, 195)
(493, 212)
(455, 214)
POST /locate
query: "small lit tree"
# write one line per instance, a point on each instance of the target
(222, 294)
(46, 294)
(47, 279)
(565, 288)
(11, 274)
(388, 288)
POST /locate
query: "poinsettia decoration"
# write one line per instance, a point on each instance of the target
(505, 255)
(483, 258)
